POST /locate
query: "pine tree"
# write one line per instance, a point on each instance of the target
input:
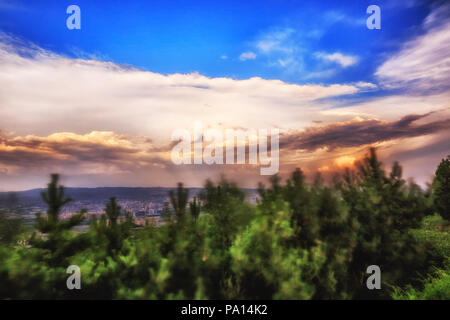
(112, 211)
(225, 203)
(54, 198)
(194, 208)
(112, 232)
(179, 201)
(384, 210)
(58, 239)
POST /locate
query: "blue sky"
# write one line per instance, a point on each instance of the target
(210, 36)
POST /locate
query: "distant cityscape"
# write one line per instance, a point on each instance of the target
(144, 204)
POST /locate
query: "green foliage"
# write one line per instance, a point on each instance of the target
(10, 228)
(54, 236)
(385, 209)
(194, 208)
(441, 189)
(435, 232)
(300, 241)
(11, 225)
(108, 232)
(179, 201)
(266, 266)
(225, 203)
(318, 218)
(436, 287)
(112, 211)
(54, 198)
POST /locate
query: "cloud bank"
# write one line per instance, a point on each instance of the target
(100, 123)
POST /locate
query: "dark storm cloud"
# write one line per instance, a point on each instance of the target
(356, 133)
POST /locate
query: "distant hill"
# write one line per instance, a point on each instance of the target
(97, 194)
(102, 194)
(140, 202)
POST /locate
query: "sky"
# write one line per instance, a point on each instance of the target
(99, 104)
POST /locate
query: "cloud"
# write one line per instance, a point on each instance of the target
(366, 85)
(339, 58)
(278, 40)
(282, 48)
(423, 62)
(84, 117)
(247, 56)
(42, 93)
(333, 16)
(102, 123)
(359, 132)
(104, 151)
(100, 158)
(290, 49)
(320, 74)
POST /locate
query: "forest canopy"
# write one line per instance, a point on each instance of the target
(299, 241)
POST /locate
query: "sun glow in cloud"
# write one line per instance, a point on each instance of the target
(345, 161)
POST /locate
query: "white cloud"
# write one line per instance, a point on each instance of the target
(282, 48)
(247, 56)
(288, 49)
(331, 17)
(320, 74)
(423, 62)
(276, 41)
(366, 85)
(42, 93)
(97, 102)
(224, 57)
(339, 58)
